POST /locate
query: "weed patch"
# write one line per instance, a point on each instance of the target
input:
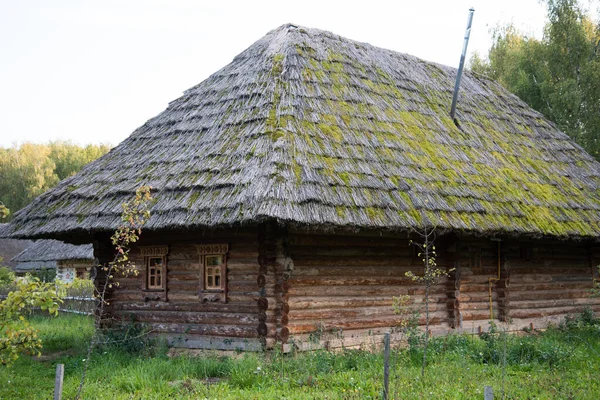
(562, 362)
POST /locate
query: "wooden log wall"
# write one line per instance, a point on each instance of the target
(182, 317)
(274, 267)
(549, 280)
(342, 287)
(477, 267)
(322, 290)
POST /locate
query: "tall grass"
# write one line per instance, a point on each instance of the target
(562, 362)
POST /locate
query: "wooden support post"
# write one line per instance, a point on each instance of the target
(58, 381)
(488, 393)
(386, 366)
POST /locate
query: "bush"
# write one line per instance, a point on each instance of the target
(7, 276)
(7, 280)
(518, 350)
(80, 288)
(45, 274)
(586, 318)
(133, 338)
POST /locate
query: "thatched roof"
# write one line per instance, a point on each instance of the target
(53, 250)
(311, 128)
(10, 247)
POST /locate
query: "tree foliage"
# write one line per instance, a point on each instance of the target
(17, 335)
(558, 75)
(30, 169)
(134, 216)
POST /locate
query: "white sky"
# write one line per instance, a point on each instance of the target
(93, 71)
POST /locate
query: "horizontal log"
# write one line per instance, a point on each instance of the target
(200, 318)
(214, 330)
(543, 312)
(359, 291)
(396, 271)
(353, 262)
(542, 278)
(354, 313)
(566, 286)
(478, 315)
(319, 302)
(483, 305)
(519, 304)
(539, 295)
(476, 297)
(214, 342)
(189, 306)
(298, 281)
(329, 325)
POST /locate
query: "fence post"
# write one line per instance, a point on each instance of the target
(58, 382)
(386, 365)
(488, 393)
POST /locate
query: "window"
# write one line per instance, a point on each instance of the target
(213, 268)
(213, 274)
(155, 273)
(80, 273)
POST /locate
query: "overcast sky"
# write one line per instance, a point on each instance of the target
(93, 71)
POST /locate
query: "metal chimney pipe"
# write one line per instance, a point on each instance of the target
(462, 63)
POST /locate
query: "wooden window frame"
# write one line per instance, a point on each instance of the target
(148, 253)
(158, 273)
(212, 293)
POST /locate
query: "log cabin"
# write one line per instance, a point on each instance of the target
(69, 261)
(288, 187)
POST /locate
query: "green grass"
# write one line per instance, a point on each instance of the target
(558, 364)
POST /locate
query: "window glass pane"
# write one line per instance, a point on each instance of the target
(217, 280)
(214, 260)
(156, 261)
(209, 271)
(210, 281)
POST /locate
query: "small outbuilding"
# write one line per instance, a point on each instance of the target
(9, 248)
(288, 187)
(70, 261)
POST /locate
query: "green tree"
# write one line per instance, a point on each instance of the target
(70, 158)
(25, 172)
(557, 75)
(28, 170)
(18, 336)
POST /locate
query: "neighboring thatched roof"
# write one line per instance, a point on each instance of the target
(10, 247)
(311, 128)
(53, 250)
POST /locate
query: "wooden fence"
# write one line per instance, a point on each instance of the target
(77, 301)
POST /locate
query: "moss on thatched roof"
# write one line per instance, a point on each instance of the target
(54, 250)
(311, 128)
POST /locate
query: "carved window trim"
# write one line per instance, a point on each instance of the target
(211, 290)
(149, 291)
